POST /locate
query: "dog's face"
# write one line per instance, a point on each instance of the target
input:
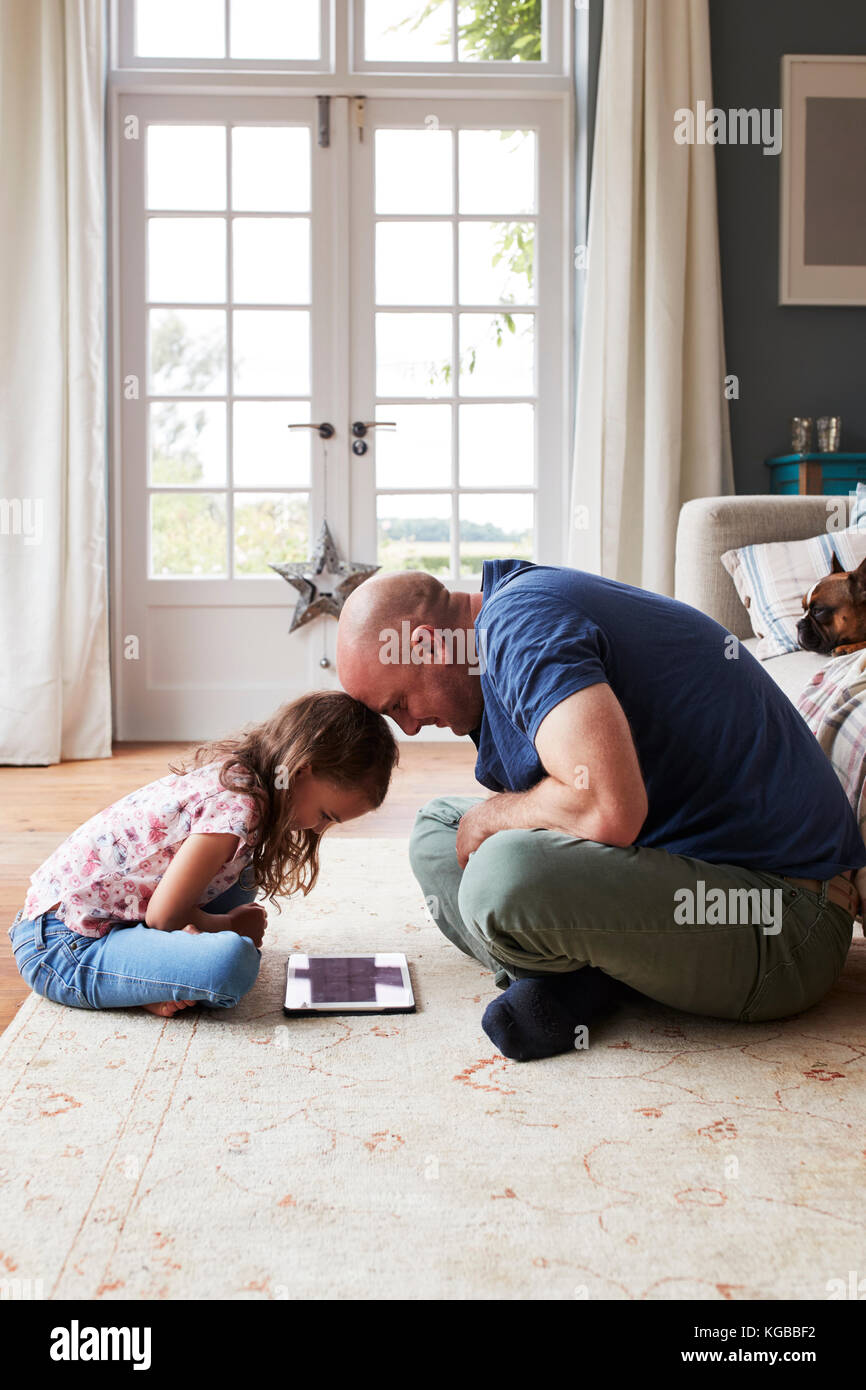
(834, 612)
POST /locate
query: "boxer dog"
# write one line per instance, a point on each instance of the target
(834, 613)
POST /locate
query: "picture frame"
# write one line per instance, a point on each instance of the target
(822, 216)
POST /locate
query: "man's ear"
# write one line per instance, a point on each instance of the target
(422, 643)
(836, 567)
(428, 642)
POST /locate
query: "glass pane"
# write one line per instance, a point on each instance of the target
(274, 29)
(188, 534)
(271, 260)
(271, 168)
(188, 443)
(413, 171)
(497, 445)
(186, 259)
(494, 528)
(413, 355)
(166, 29)
(497, 354)
(270, 528)
(414, 533)
(497, 171)
(186, 166)
(414, 263)
(496, 262)
(408, 31)
(509, 33)
(187, 352)
(272, 352)
(266, 452)
(418, 452)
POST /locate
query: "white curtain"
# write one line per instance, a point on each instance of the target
(652, 428)
(54, 670)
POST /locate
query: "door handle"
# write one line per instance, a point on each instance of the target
(326, 430)
(360, 427)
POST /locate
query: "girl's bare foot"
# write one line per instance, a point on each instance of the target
(169, 1007)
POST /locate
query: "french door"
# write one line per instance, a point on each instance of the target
(392, 268)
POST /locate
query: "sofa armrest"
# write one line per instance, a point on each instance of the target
(708, 526)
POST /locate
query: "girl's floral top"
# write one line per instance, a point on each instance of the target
(107, 870)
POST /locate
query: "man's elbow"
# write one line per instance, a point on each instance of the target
(616, 834)
(620, 826)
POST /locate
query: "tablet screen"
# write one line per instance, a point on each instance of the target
(349, 983)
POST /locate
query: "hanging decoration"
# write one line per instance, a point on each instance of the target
(324, 582)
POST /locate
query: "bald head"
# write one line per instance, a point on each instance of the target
(384, 625)
(382, 604)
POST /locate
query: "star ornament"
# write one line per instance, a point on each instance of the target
(324, 582)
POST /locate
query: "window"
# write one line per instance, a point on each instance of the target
(438, 32)
(441, 36)
(455, 232)
(227, 222)
(223, 33)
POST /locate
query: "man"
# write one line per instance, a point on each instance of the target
(662, 818)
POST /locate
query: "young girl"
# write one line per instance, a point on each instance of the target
(143, 904)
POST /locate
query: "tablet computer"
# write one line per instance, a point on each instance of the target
(357, 984)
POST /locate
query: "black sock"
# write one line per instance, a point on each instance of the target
(539, 1017)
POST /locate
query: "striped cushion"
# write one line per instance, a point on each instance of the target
(772, 579)
(858, 508)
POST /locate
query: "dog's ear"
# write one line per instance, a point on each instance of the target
(837, 567)
(858, 580)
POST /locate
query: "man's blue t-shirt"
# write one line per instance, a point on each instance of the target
(732, 772)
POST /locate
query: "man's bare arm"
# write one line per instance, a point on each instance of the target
(594, 789)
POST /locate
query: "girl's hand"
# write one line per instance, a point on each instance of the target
(249, 919)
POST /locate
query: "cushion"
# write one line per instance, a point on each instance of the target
(772, 579)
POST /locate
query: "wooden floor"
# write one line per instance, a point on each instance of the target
(39, 806)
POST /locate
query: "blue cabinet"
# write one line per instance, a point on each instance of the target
(818, 474)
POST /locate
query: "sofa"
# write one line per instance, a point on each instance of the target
(707, 528)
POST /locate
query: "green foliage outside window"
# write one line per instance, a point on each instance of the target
(501, 31)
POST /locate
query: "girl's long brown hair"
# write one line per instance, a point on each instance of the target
(329, 732)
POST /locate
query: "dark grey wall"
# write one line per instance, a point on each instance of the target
(791, 360)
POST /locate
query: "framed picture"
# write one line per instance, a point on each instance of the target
(822, 254)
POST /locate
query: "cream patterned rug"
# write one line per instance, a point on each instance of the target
(244, 1156)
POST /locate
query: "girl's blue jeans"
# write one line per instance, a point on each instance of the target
(136, 964)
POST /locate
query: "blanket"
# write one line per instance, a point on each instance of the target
(833, 704)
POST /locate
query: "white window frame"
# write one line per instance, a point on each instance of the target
(341, 29)
(553, 62)
(125, 57)
(549, 486)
